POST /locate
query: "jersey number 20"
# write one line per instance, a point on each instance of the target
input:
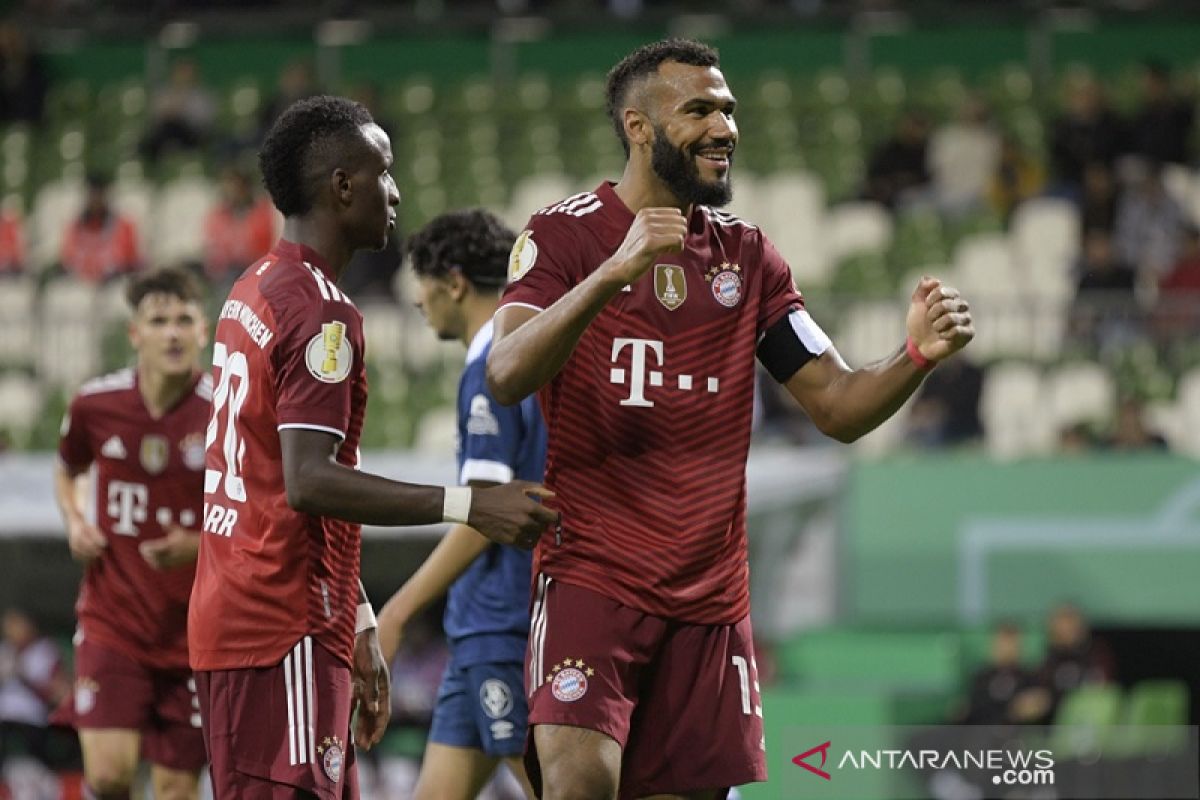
(226, 395)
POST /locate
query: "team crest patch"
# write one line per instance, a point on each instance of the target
(496, 698)
(86, 690)
(153, 453)
(333, 754)
(191, 447)
(726, 280)
(328, 355)
(569, 680)
(482, 422)
(523, 256)
(670, 285)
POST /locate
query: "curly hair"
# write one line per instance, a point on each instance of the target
(174, 281)
(645, 61)
(472, 241)
(307, 136)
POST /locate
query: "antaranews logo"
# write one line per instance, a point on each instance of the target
(1008, 767)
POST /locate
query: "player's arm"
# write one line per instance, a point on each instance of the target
(317, 484)
(454, 553)
(70, 487)
(846, 404)
(530, 347)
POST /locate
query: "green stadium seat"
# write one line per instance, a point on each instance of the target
(872, 659)
(1152, 720)
(1084, 721)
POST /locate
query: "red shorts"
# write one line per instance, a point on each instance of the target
(273, 730)
(682, 700)
(113, 690)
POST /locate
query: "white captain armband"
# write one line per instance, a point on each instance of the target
(791, 343)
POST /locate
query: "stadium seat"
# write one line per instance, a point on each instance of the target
(1152, 720)
(1189, 406)
(55, 206)
(18, 315)
(1045, 238)
(134, 198)
(1080, 392)
(437, 432)
(534, 192)
(1084, 722)
(179, 217)
(1014, 414)
(383, 327)
(791, 213)
(858, 227)
(869, 330)
(20, 405)
(67, 344)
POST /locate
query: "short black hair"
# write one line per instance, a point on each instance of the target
(175, 281)
(644, 61)
(309, 128)
(472, 241)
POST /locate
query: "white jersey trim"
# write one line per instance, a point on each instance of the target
(577, 205)
(521, 305)
(312, 427)
(112, 382)
(726, 219)
(477, 469)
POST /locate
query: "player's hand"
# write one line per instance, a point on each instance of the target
(372, 690)
(507, 513)
(178, 548)
(939, 320)
(654, 231)
(85, 540)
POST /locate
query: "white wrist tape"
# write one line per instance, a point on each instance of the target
(457, 505)
(365, 619)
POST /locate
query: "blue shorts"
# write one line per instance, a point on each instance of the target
(482, 707)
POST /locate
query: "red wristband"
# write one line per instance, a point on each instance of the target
(914, 353)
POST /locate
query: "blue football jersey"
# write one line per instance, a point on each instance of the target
(487, 610)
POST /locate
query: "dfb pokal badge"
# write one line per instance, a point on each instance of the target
(332, 753)
(670, 285)
(569, 680)
(153, 453)
(726, 281)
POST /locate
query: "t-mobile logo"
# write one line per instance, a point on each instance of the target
(639, 375)
(127, 505)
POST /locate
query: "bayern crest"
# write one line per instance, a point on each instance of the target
(569, 680)
(332, 756)
(726, 281)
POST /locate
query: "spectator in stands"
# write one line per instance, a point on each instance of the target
(295, 83)
(1073, 657)
(1087, 132)
(23, 80)
(1098, 209)
(1130, 433)
(182, 113)
(12, 242)
(900, 164)
(32, 682)
(1102, 312)
(1003, 691)
(1177, 313)
(1150, 225)
(1161, 128)
(1017, 178)
(100, 243)
(238, 230)
(963, 158)
(946, 410)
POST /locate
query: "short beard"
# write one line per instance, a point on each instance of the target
(677, 169)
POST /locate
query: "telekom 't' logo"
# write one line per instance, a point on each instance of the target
(641, 373)
(823, 749)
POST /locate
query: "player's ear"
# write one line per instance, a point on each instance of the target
(458, 284)
(341, 186)
(637, 127)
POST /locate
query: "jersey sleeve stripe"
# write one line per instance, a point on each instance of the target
(476, 469)
(313, 427)
(521, 305)
(320, 281)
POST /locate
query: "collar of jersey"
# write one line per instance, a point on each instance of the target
(483, 338)
(291, 251)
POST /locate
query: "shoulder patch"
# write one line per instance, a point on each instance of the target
(328, 354)
(481, 421)
(523, 256)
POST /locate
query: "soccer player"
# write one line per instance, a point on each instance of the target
(637, 310)
(281, 634)
(461, 262)
(143, 431)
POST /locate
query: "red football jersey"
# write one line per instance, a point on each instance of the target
(148, 477)
(288, 353)
(650, 417)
